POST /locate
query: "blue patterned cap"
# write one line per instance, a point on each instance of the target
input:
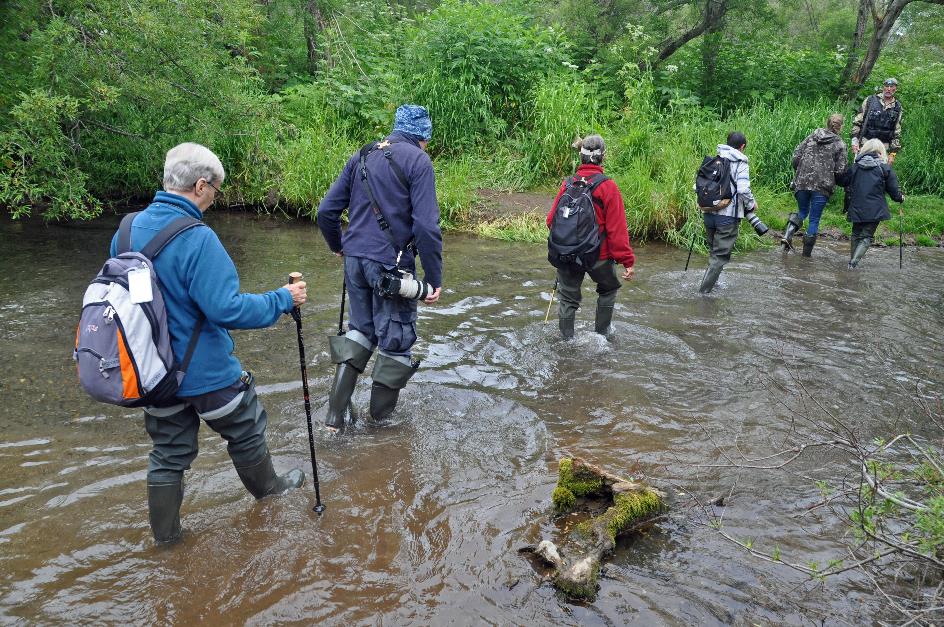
(413, 119)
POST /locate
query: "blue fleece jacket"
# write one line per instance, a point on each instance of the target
(198, 278)
(412, 212)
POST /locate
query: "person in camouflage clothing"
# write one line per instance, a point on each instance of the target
(817, 160)
(879, 117)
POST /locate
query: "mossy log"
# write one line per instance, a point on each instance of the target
(632, 503)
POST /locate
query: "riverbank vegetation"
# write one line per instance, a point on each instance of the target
(285, 90)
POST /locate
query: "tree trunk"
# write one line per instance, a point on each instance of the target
(862, 22)
(709, 60)
(851, 81)
(315, 25)
(711, 21)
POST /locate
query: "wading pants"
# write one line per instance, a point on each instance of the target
(862, 235)
(388, 323)
(604, 274)
(234, 412)
(721, 233)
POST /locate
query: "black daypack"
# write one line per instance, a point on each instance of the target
(713, 184)
(575, 237)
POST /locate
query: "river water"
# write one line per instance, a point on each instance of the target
(425, 514)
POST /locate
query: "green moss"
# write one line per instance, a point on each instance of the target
(564, 500)
(626, 510)
(580, 482)
(586, 589)
(585, 529)
(629, 508)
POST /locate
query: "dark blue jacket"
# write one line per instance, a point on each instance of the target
(412, 212)
(198, 278)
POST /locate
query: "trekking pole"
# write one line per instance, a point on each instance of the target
(294, 277)
(901, 243)
(691, 247)
(341, 316)
(547, 316)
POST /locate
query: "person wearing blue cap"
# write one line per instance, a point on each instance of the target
(389, 190)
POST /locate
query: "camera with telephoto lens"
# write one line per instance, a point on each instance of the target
(401, 283)
(759, 227)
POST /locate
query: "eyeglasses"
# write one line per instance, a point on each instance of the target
(215, 188)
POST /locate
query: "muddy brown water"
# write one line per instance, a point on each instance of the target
(425, 514)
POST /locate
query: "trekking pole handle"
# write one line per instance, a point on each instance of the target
(294, 277)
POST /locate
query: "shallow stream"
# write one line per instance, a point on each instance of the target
(425, 514)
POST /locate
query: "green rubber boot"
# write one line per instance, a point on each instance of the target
(566, 327)
(861, 247)
(261, 481)
(164, 501)
(390, 376)
(351, 357)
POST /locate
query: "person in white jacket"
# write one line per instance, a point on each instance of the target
(721, 227)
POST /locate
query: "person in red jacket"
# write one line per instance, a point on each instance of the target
(615, 248)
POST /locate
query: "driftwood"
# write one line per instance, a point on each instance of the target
(576, 570)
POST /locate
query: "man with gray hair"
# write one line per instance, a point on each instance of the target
(879, 117)
(200, 287)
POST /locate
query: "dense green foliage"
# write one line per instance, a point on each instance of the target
(95, 93)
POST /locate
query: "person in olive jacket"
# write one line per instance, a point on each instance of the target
(866, 182)
(817, 160)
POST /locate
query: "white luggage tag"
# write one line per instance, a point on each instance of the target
(139, 285)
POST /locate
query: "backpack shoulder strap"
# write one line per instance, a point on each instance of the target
(596, 181)
(168, 233)
(124, 232)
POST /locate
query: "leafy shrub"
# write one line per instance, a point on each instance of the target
(563, 107)
(37, 160)
(473, 65)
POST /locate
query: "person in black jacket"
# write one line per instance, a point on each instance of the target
(866, 182)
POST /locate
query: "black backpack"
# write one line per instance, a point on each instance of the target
(713, 184)
(575, 238)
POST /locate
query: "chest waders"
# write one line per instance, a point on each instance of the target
(352, 350)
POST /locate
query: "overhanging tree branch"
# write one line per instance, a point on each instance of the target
(712, 17)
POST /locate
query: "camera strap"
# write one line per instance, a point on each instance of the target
(374, 205)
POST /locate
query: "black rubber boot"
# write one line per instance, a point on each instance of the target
(164, 501)
(794, 224)
(261, 481)
(601, 322)
(390, 376)
(351, 358)
(566, 327)
(809, 241)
